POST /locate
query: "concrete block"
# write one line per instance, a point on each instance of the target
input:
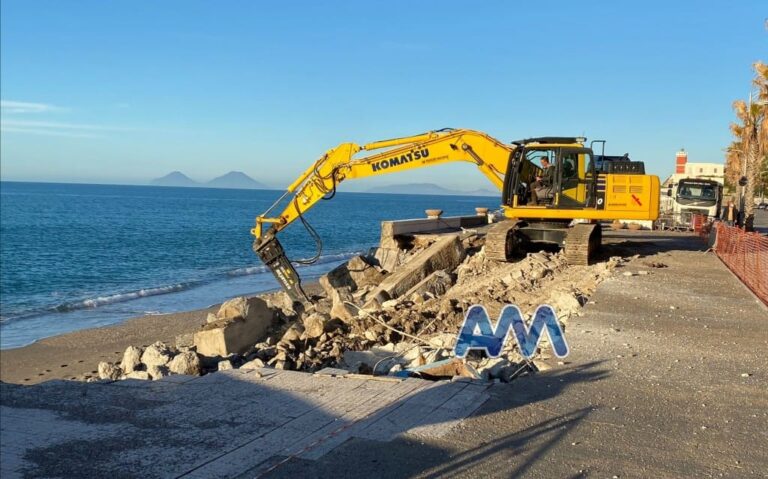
(355, 273)
(436, 283)
(368, 358)
(445, 253)
(390, 230)
(235, 335)
(384, 258)
(339, 309)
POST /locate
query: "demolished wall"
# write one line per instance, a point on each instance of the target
(398, 318)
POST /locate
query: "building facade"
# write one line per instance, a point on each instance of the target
(686, 169)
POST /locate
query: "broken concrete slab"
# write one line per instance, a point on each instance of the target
(363, 273)
(446, 253)
(355, 273)
(491, 368)
(185, 363)
(254, 364)
(235, 334)
(390, 230)
(143, 375)
(241, 307)
(131, 359)
(314, 325)
(564, 302)
(293, 333)
(385, 258)
(338, 299)
(156, 354)
(109, 371)
(447, 368)
(280, 302)
(353, 359)
(436, 283)
(157, 372)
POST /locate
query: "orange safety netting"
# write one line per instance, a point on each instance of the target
(746, 254)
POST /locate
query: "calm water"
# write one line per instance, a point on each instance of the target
(79, 256)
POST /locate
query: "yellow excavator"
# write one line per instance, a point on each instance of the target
(553, 190)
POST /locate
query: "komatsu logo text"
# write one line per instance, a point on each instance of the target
(400, 160)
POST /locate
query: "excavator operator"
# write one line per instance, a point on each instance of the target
(541, 189)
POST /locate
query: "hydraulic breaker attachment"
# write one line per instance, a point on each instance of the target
(272, 254)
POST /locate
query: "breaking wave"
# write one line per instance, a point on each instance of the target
(120, 297)
(107, 299)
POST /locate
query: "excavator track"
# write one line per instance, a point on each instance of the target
(581, 243)
(503, 240)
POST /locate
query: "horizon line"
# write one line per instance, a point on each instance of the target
(203, 186)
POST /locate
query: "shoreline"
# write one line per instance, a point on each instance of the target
(71, 356)
(19, 332)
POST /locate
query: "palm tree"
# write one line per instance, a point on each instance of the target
(733, 164)
(751, 143)
(761, 87)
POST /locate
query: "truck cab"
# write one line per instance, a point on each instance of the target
(696, 196)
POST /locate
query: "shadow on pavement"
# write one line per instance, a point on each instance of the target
(646, 243)
(223, 425)
(484, 446)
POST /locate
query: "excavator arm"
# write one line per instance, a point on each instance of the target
(388, 156)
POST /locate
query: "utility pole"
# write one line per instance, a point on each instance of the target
(742, 184)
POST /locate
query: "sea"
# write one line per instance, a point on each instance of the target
(77, 256)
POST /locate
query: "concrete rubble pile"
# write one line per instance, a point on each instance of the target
(392, 311)
(156, 361)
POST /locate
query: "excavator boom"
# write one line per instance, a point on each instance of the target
(388, 156)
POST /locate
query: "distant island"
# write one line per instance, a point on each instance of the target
(174, 178)
(233, 179)
(429, 189)
(239, 180)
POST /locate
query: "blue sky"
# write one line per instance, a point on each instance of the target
(122, 92)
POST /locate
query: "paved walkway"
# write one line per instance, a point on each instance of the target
(220, 425)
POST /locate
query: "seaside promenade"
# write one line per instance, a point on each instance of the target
(666, 378)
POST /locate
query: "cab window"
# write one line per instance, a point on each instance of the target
(570, 165)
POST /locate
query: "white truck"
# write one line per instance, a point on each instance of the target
(694, 196)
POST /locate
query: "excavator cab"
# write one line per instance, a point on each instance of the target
(571, 183)
(550, 181)
(567, 212)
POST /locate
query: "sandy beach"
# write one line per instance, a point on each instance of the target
(73, 356)
(77, 354)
